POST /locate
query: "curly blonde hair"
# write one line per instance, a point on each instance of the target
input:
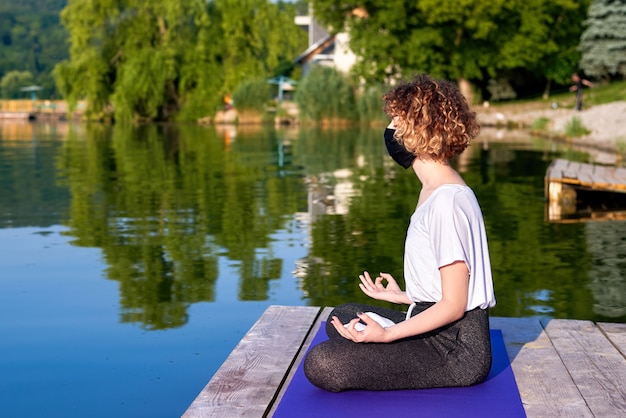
(432, 118)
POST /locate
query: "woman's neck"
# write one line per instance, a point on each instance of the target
(433, 174)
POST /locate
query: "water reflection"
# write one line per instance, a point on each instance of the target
(606, 274)
(166, 204)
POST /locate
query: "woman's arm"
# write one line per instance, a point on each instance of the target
(451, 307)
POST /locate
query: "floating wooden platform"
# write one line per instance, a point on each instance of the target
(563, 368)
(566, 182)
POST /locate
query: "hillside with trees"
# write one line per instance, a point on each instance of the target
(32, 42)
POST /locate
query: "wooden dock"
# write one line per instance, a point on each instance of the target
(567, 183)
(563, 368)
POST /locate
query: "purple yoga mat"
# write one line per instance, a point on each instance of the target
(497, 396)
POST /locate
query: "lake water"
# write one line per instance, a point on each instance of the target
(135, 258)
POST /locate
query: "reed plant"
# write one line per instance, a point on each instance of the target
(370, 105)
(620, 144)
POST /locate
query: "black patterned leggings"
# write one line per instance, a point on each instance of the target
(458, 354)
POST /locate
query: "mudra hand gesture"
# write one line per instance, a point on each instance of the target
(375, 289)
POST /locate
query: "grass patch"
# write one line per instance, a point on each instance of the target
(540, 124)
(606, 93)
(597, 95)
(575, 128)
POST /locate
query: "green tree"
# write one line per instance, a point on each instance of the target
(470, 40)
(258, 37)
(603, 43)
(13, 81)
(148, 60)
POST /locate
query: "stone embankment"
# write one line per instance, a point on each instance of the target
(606, 122)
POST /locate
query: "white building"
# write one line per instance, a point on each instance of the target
(324, 48)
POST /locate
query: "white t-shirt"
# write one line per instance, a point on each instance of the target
(445, 228)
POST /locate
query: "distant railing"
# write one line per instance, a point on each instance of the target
(41, 106)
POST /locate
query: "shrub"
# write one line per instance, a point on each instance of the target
(575, 128)
(252, 96)
(250, 99)
(324, 94)
(540, 124)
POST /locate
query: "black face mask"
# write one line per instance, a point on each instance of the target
(397, 151)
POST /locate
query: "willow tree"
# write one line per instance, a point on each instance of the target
(470, 40)
(133, 59)
(257, 37)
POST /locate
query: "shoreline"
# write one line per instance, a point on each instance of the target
(606, 123)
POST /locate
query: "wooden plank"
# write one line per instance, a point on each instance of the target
(616, 333)
(602, 177)
(587, 170)
(620, 173)
(556, 168)
(561, 164)
(545, 385)
(596, 366)
(570, 174)
(247, 382)
(614, 179)
(322, 317)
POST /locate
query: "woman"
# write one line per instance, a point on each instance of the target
(443, 339)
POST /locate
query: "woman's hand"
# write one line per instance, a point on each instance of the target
(377, 290)
(372, 333)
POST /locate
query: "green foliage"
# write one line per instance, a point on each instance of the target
(621, 151)
(325, 94)
(603, 43)
(32, 39)
(605, 93)
(134, 55)
(12, 82)
(257, 36)
(252, 95)
(574, 128)
(540, 124)
(136, 60)
(563, 23)
(601, 93)
(472, 40)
